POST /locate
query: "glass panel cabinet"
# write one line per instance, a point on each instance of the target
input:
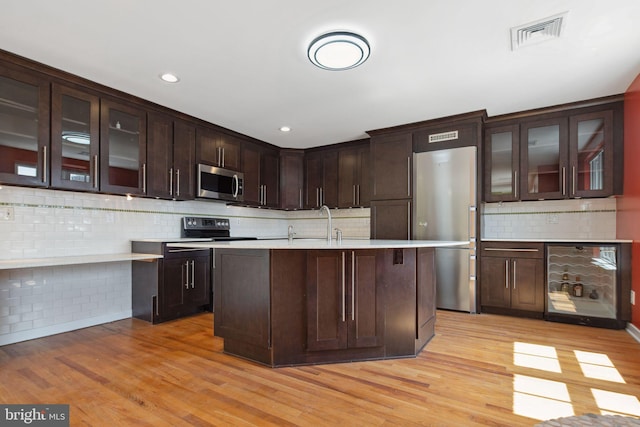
(123, 149)
(583, 284)
(74, 139)
(544, 161)
(24, 128)
(502, 148)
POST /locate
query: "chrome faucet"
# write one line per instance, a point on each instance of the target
(326, 208)
(290, 233)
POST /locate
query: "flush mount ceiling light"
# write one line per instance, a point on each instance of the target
(285, 129)
(169, 78)
(338, 50)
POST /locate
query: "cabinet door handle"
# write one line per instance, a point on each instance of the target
(506, 274)
(177, 182)
(515, 184)
(514, 274)
(219, 157)
(144, 178)
(564, 181)
(185, 277)
(321, 196)
(264, 201)
(573, 180)
(343, 288)
(317, 197)
(408, 220)
(358, 193)
(222, 149)
(171, 181)
(95, 171)
(354, 194)
(409, 176)
(44, 164)
(300, 192)
(353, 285)
(193, 274)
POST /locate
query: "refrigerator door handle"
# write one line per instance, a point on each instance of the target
(472, 224)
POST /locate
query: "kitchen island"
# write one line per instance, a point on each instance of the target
(307, 301)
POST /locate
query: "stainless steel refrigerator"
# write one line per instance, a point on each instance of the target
(444, 208)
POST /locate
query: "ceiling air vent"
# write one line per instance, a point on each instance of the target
(539, 31)
(444, 136)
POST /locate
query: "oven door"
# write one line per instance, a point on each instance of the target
(220, 184)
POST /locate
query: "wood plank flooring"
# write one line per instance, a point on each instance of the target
(479, 370)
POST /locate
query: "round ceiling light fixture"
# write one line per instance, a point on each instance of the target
(338, 50)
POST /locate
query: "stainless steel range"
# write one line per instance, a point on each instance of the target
(215, 229)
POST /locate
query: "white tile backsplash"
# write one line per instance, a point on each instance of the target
(43, 301)
(550, 219)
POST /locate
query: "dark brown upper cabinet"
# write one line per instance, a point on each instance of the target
(123, 146)
(567, 153)
(75, 139)
(391, 166)
(170, 158)
(354, 177)
(291, 179)
(321, 178)
(218, 149)
(24, 127)
(261, 175)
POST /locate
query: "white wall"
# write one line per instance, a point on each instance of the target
(42, 301)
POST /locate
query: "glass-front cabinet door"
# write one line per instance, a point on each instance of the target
(123, 149)
(74, 139)
(24, 128)
(591, 154)
(502, 164)
(544, 160)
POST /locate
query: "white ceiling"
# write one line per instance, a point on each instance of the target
(243, 63)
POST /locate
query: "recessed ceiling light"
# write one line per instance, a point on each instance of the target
(338, 50)
(170, 78)
(285, 129)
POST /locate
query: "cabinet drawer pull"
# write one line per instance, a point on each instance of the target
(511, 249)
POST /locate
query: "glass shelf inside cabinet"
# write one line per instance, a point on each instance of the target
(581, 280)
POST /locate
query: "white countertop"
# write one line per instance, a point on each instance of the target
(320, 244)
(9, 264)
(559, 240)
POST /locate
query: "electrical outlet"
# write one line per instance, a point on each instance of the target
(8, 214)
(633, 297)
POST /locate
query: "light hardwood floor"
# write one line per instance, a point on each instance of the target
(483, 370)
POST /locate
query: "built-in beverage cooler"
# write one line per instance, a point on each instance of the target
(588, 284)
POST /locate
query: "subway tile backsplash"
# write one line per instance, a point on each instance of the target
(550, 219)
(47, 223)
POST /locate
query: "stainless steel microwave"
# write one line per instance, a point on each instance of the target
(220, 184)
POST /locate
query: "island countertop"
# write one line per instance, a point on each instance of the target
(319, 244)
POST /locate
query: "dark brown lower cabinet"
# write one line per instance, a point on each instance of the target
(344, 302)
(177, 285)
(512, 278)
(295, 307)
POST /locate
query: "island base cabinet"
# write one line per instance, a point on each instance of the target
(286, 307)
(242, 302)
